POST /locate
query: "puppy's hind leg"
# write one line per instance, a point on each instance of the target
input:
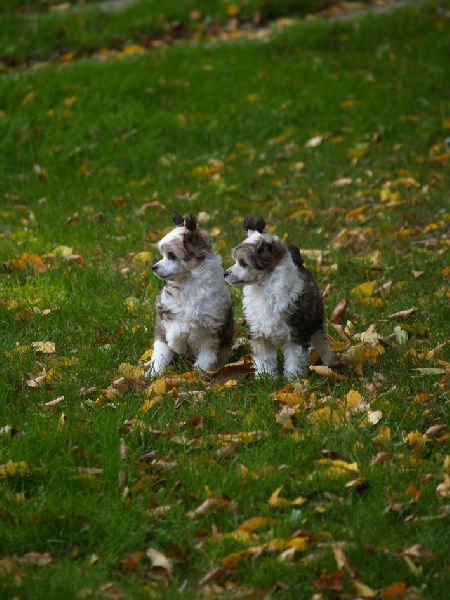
(161, 357)
(320, 342)
(296, 361)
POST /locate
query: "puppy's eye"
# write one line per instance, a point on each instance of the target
(171, 256)
(242, 263)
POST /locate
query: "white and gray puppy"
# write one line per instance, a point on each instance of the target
(194, 316)
(282, 303)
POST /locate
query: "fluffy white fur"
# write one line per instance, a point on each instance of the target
(193, 308)
(269, 298)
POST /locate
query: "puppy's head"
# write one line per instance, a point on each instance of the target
(257, 256)
(182, 249)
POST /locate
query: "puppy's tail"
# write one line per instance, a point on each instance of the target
(296, 256)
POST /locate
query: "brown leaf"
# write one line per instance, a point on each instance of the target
(331, 581)
(76, 258)
(236, 370)
(403, 313)
(338, 314)
(37, 559)
(209, 505)
(227, 450)
(435, 430)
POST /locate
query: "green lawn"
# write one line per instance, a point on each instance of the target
(336, 486)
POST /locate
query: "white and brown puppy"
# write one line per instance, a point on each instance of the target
(194, 317)
(282, 303)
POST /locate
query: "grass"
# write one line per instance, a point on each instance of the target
(96, 156)
(27, 38)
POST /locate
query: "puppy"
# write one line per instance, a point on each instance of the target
(282, 303)
(194, 316)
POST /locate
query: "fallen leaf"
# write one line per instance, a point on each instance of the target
(364, 289)
(331, 581)
(54, 402)
(395, 591)
(130, 371)
(14, 469)
(275, 501)
(403, 314)
(258, 523)
(338, 314)
(208, 506)
(44, 347)
(326, 372)
(36, 559)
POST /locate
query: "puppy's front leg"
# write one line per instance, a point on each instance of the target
(296, 361)
(264, 355)
(206, 359)
(161, 357)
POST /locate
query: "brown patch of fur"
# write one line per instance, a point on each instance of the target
(226, 332)
(307, 313)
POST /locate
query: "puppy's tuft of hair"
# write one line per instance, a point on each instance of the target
(190, 223)
(249, 223)
(260, 225)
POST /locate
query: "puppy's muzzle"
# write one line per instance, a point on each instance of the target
(226, 273)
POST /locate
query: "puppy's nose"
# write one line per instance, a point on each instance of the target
(225, 274)
(154, 268)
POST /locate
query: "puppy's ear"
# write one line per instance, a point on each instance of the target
(264, 249)
(268, 254)
(177, 219)
(249, 223)
(260, 225)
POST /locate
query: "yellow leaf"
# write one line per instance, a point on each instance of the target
(339, 465)
(29, 98)
(364, 289)
(276, 502)
(384, 435)
(299, 543)
(346, 104)
(352, 399)
(14, 469)
(147, 354)
(416, 439)
(257, 523)
(289, 398)
(324, 416)
(326, 372)
(234, 559)
(131, 50)
(130, 371)
(148, 404)
(244, 537)
(44, 347)
(157, 388)
(363, 590)
(142, 257)
(233, 10)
